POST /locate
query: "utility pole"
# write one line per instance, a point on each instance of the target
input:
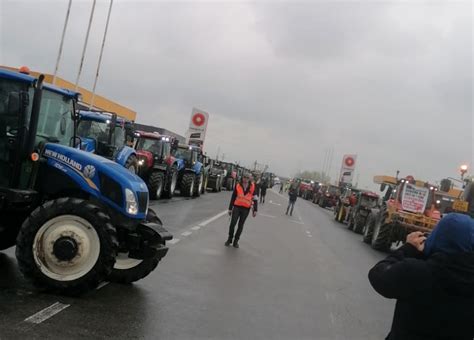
(85, 46)
(100, 55)
(60, 52)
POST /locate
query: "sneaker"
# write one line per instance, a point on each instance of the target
(236, 245)
(227, 243)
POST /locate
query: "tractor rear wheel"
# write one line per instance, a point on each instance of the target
(204, 186)
(132, 164)
(127, 270)
(368, 229)
(358, 226)
(381, 237)
(155, 185)
(67, 245)
(187, 184)
(198, 185)
(351, 223)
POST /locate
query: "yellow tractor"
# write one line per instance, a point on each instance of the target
(408, 205)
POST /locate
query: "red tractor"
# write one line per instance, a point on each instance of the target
(156, 166)
(329, 196)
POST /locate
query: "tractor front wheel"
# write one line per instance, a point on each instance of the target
(171, 183)
(198, 187)
(67, 245)
(187, 184)
(155, 185)
(368, 229)
(358, 226)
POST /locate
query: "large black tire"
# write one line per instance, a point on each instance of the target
(229, 184)
(67, 211)
(381, 238)
(351, 223)
(204, 185)
(359, 222)
(142, 268)
(132, 164)
(187, 184)
(171, 182)
(155, 184)
(198, 185)
(368, 229)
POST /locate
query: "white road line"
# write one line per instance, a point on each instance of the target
(265, 215)
(102, 285)
(297, 222)
(333, 319)
(196, 228)
(46, 313)
(310, 235)
(173, 241)
(275, 203)
(186, 233)
(212, 219)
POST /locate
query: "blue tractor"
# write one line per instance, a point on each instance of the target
(107, 135)
(76, 219)
(190, 170)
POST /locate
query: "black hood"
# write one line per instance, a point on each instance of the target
(455, 273)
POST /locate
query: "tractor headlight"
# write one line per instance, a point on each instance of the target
(131, 204)
(141, 162)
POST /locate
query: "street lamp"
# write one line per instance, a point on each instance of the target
(463, 170)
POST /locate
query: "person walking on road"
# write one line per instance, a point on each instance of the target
(263, 191)
(293, 195)
(281, 187)
(433, 281)
(242, 201)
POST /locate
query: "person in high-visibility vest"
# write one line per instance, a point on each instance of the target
(243, 200)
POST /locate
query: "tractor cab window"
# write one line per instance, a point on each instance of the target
(55, 122)
(93, 129)
(154, 146)
(120, 137)
(184, 153)
(368, 202)
(166, 150)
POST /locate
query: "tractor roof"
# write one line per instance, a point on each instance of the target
(101, 117)
(150, 135)
(26, 78)
(369, 194)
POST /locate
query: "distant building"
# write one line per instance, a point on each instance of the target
(161, 131)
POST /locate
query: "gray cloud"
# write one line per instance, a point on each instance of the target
(390, 81)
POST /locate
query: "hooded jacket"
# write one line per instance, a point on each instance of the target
(434, 289)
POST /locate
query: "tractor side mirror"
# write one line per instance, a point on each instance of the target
(383, 186)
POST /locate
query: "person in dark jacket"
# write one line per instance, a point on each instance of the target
(242, 201)
(293, 195)
(433, 282)
(263, 191)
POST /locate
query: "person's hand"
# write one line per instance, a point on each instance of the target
(230, 212)
(417, 239)
(254, 213)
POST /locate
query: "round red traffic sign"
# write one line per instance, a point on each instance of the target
(349, 161)
(199, 119)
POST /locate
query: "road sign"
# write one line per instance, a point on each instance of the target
(196, 133)
(347, 169)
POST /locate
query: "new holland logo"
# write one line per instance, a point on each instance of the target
(89, 171)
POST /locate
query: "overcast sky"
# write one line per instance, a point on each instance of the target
(390, 81)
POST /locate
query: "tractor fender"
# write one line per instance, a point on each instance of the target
(88, 171)
(124, 154)
(197, 168)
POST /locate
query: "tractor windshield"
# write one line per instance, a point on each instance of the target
(368, 201)
(183, 153)
(92, 129)
(55, 122)
(155, 146)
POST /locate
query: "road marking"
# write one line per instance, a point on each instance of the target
(310, 235)
(102, 285)
(196, 228)
(212, 219)
(275, 203)
(308, 232)
(186, 233)
(265, 215)
(297, 222)
(46, 313)
(173, 241)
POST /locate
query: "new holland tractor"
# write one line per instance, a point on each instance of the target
(76, 219)
(409, 205)
(156, 165)
(190, 170)
(107, 135)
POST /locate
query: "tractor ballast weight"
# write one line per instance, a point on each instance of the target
(107, 135)
(156, 166)
(76, 219)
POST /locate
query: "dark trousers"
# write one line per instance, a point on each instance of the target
(238, 214)
(262, 196)
(292, 205)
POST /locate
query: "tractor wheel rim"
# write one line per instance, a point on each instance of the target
(77, 230)
(123, 262)
(191, 187)
(376, 230)
(200, 183)
(159, 190)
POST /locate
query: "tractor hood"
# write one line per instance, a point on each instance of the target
(100, 177)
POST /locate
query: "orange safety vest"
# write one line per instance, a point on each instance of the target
(244, 200)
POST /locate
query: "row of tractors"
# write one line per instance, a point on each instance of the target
(75, 187)
(403, 205)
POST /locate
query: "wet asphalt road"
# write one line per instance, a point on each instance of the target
(300, 277)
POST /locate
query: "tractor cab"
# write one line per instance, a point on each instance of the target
(108, 135)
(152, 148)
